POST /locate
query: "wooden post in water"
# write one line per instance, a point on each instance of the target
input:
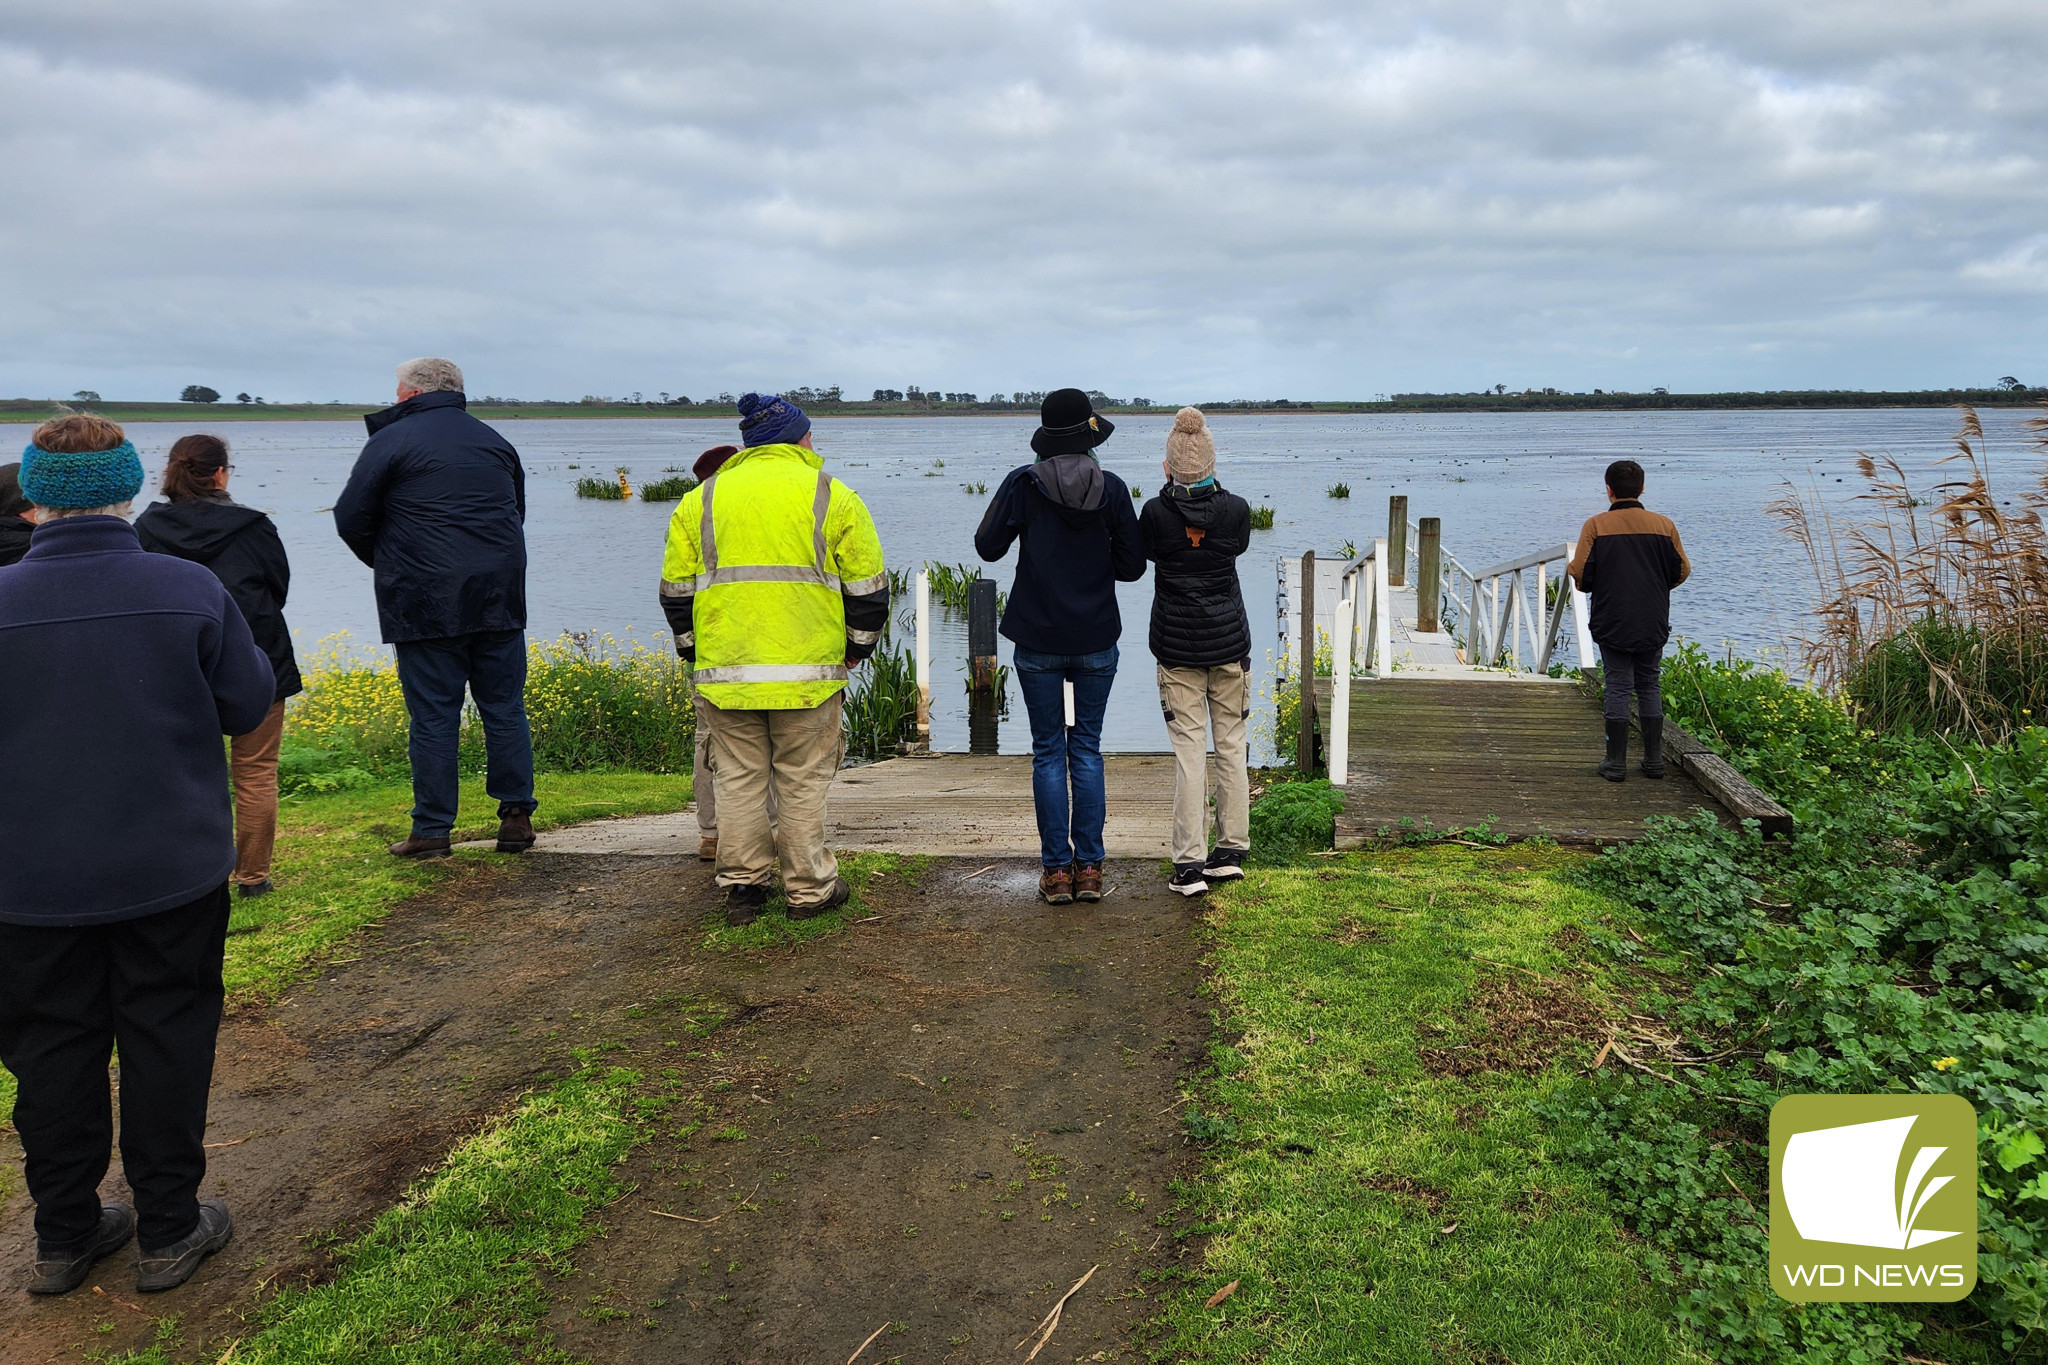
(1305, 737)
(1397, 540)
(1429, 575)
(981, 634)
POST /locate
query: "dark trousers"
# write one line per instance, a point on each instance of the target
(68, 998)
(1642, 674)
(433, 674)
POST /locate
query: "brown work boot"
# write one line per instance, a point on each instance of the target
(1088, 882)
(412, 846)
(839, 895)
(515, 832)
(1056, 884)
(707, 850)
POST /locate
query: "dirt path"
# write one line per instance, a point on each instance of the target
(901, 1086)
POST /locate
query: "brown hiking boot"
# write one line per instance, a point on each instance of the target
(1088, 882)
(412, 846)
(707, 850)
(839, 895)
(515, 832)
(1056, 884)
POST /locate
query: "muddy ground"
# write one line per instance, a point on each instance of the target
(938, 1119)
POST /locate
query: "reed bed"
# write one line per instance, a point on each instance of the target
(1933, 616)
(881, 704)
(951, 584)
(1262, 518)
(1338, 490)
(604, 490)
(670, 489)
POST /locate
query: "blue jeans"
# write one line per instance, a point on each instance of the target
(433, 674)
(1067, 833)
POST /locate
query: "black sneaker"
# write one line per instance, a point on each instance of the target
(1188, 879)
(62, 1273)
(1224, 865)
(744, 903)
(839, 895)
(249, 891)
(168, 1267)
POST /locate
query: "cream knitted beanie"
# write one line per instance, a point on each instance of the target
(1190, 451)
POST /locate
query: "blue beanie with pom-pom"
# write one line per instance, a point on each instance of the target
(770, 419)
(88, 478)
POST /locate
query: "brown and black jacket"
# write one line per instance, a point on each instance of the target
(1629, 559)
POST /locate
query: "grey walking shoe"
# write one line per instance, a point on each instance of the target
(839, 895)
(168, 1267)
(62, 1273)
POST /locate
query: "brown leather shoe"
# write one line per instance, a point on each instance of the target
(1088, 882)
(412, 846)
(515, 832)
(707, 850)
(1056, 884)
(839, 895)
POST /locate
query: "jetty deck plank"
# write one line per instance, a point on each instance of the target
(1515, 754)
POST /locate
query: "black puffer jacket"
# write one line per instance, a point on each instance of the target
(242, 548)
(1195, 535)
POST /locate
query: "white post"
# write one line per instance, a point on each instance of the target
(1383, 625)
(1340, 688)
(1582, 614)
(924, 659)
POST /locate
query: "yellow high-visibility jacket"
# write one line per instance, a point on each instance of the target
(772, 581)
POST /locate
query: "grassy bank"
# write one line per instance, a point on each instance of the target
(1377, 1183)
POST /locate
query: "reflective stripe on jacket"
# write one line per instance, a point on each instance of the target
(772, 580)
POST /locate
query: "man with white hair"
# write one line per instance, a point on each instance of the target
(436, 505)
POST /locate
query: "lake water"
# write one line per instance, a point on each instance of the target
(1503, 484)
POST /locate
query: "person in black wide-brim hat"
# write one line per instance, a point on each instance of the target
(1079, 539)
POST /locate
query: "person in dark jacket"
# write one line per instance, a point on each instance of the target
(1079, 540)
(201, 523)
(15, 527)
(119, 673)
(1193, 532)
(1628, 560)
(437, 506)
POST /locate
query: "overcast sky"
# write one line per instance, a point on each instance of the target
(1182, 200)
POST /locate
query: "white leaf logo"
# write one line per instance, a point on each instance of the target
(1842, 1185)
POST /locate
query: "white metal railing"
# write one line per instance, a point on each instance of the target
(1517, 603)
(1369, 572)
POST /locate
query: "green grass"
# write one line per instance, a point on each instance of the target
(333, 875)
(1370, 1209)
(775, 930)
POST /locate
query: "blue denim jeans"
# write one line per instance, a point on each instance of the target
(433, 674)
(1069, 830)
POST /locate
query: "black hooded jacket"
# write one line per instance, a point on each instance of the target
(242, 548)
(1080, 539)
(14, 534)
(1195, 535)
(436, 505)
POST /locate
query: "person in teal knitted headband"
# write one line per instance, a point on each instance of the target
(75, 479)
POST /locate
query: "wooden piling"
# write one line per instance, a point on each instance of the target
(981, 634)
(1305, 738)
(1429, 575)
(1397, 541)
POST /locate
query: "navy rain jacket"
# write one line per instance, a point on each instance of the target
(119, 673)
(436, 505)
(1080, 539)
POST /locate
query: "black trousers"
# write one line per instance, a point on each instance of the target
(1642, 674)
(68, 997)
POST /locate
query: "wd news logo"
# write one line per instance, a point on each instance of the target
(1874, 1198)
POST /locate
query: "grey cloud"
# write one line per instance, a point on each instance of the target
(1184, 200)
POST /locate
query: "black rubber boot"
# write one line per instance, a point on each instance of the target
(1653, 747)
(1614, 767)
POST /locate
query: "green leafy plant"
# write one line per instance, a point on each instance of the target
(1293, 818)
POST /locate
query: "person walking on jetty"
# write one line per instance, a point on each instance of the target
(201, 523)
(773, 583)
(1193, 533)
(1628, 560)
(120, 671)
(436, 505)
(1079, 539)
(15, 527)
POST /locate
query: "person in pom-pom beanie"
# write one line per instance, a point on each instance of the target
(1194, 532)
(120, 672)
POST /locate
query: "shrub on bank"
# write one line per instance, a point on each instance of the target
(1895, 943)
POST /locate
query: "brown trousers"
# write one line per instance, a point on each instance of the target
(787, 758)
(252, 758)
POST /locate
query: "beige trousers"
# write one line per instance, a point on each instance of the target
(1195, 700)
(252, 763)
(704, 777)
(789, 757)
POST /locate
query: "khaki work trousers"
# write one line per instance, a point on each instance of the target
(252, 762)
(704, 777)
(1195, 700)
(789, 757)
